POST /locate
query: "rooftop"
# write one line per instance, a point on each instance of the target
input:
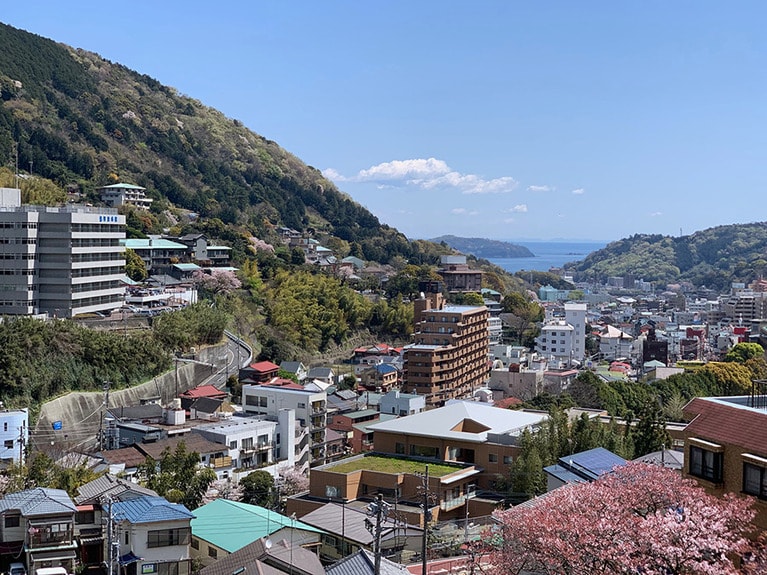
(150, 510)
(390, 464)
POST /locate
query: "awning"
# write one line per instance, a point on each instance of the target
(85, 507)
(129, 558)
(59, 555)
(91, 540)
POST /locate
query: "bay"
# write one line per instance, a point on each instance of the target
(547, 255)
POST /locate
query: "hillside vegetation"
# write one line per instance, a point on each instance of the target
(485, 248)
(714, 257)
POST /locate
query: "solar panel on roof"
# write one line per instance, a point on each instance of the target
(593, 462)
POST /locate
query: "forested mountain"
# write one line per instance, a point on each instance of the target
(714, 257)
(83, 121)
(484, 248)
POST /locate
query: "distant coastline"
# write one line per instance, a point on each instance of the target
(548, 254)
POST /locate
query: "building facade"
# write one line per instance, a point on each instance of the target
(449, 358)
(14, 434)
(60, 261)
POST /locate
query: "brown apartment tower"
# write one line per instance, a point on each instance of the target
(449, 356)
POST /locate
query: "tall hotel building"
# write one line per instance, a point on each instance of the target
(449, 356)
(62, 261)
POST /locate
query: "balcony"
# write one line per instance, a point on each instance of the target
(221, 462)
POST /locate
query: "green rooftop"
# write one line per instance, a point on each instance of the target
(391, 465)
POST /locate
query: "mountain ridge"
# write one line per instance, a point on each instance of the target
(483, 247)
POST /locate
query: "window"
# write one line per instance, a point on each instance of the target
(301, 405)
(755, 475)
(507, 459)
(195, 544)
(12, 521)
(166, 537)
(233, 444)
(492, 458)
(212, 552)
(424, 451)
(399, 448)
(706, 464)
(173, 568)
(127, 538)
(8, 444)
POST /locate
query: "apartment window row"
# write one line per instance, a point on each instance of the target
(98, 257)
(168, 537)
(18, 256)
(95, 242)
(17, 240)
(93, 286)
(16, 303)
(17, 272)
(256, 400)
(18, 225)
(99, 228)
(96, 271)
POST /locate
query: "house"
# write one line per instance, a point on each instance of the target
(90, 501)
(268, 556)
(211, 391)
(458, 276)
(14, 434)
(614, 343)
(259, 372)
(581, 467)
(467, 432)
(401, 404)
(153, 536)
(323, 374)
(381, 377)
(122, 194)
(346, 529)
(295, 368)
(158, 254)
(363, 562)
(252, 441)
(222, 527)
(725, 447)
(38, 524)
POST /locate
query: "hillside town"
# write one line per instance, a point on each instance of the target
(405, 457)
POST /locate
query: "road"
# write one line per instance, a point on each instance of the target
(230, 358)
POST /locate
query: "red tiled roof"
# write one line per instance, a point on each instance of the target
(264, 366)
(507, 402)
(204, 391)
(722, 423)
(283, 382)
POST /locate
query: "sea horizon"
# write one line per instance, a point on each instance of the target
(548, 254)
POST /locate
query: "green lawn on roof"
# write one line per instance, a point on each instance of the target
(392, 465)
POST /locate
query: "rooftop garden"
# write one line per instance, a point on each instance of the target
(391, 465)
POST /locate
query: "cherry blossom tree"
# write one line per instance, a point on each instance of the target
(640, 518)
(216, 282)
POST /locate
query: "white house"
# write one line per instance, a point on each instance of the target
(14, 433)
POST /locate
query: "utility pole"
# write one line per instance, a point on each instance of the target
(22, 435)
(426, 519)
(113, 542)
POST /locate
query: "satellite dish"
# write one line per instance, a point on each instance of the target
(268, 543)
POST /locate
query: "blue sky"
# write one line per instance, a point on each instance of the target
(497, 119)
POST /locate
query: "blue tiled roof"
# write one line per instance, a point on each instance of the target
(150, 510)
(38, 501)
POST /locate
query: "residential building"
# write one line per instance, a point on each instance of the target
(153, 535)
(222, 527)
(259, 372)
(516, 381)
(466, 432)
(324, 374)
(556, 342)
(117, 195)
(295, 368)
(310, 409)
(268, 556)
(582, 467)
(252, 441)
(457, 275)
(159, 255)
(14, 435)
(38, 524)
(614, 343)
(60, 261)
(401, 404)
(575, 315)
(449, 358)
(726, 447)
(381, 377)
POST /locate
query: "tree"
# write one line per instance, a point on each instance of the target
(257, 487)
(650, 433)
(135, 267)
(640, 518)
(217, 282)
(177, 476)
(742, 352)
(733, 378)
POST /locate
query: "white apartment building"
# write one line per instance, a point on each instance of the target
(575, 315)
(255, 442)
(14, 433)
(60, 261)
(122, 194)
(556, 342)
(310, 407)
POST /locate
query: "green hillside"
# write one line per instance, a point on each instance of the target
(714, 257)
(484, 248)
(83, 121)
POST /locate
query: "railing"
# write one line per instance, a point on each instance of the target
(219, 462)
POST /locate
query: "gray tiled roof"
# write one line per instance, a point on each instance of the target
(39, 501)
(363, 562)
(150, 510)
(263, 556)
(109, 485)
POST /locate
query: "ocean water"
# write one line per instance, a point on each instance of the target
(547, 255)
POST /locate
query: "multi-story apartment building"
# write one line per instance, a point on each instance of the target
(575, 315)
(457, 275)
(449, 358)
(310, 407)
(14, 433)
(62, 261)
(556, 342)
(726, 447)
(125, 194)
(159, 254)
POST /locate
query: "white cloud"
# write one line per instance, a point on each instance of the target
(464, 212)
(579, 191)
(426, 174)
(508, 221)
(656, 214)
(540, 188)
(520, 208)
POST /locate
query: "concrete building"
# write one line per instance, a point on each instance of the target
(118, 195)
(401, 404)
(253, 441)
(310, 409)
(556, 342)
(60, 261)
(449, 358)
(159, 255)
(457, 275)
(14, 434)
(575, 315)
